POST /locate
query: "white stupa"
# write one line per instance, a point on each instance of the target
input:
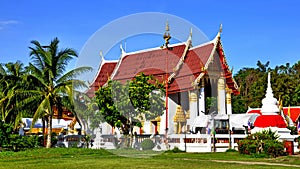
(270, 118)
(269, 103)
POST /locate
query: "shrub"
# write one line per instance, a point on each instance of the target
(18, 143)
(293, 130)
(265, 143)
(11, 141)
(147, 144)
(231, 150)
(176, 150)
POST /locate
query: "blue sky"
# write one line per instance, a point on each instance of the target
(252, 30)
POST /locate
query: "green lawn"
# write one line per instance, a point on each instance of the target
(88, 158)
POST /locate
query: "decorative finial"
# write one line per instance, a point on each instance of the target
(167, 26)
(167, 35)
(121, 48)
(269, 81)
(221, 28)
(101, 55)
(191, 32)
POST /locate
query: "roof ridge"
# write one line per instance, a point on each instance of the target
(188, 44)
(210, 58)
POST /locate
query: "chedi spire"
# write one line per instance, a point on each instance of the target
(269, 103)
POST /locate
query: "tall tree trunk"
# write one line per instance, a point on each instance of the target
(49, 131)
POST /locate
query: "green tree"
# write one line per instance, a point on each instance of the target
(125, 105)
(87, 111)
(11, 79)
(146, 95)
(107, 107)
(53, 87)
(253, 83)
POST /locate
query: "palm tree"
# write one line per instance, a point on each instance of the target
(53, 87)
(11, 75)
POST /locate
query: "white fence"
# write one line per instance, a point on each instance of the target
(185, 142)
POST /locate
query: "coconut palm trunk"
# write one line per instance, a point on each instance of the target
(49, 131)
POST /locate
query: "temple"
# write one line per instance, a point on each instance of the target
(192, 74)
(199, 85)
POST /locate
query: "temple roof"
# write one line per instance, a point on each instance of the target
(104, 72)
(294, 112)
(264, 121)
(183, 64)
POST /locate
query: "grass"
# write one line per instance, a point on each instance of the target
(130, 158)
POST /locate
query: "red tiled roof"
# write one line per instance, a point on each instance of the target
(191, 68)
(257, 111)
(270, 121)
(102, 76)
(154, 62)
(150, 62)
(202, 53)
(159, 61)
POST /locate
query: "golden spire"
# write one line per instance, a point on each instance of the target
(221, 28)
(167, 26)
(167, 35)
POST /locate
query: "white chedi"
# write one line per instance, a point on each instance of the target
(269, 103)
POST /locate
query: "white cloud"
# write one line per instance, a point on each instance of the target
(4, 23)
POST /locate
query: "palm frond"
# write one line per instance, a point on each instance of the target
(2, 70)
(74, 73)
(44, 109)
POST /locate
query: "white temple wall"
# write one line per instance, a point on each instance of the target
(171, 112)
(105, 128)
(147, 127)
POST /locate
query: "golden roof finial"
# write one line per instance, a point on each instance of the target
(221, 28)
(167, 35)
(167, 26)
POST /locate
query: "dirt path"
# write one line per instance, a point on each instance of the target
(256, 163)
(248, 162)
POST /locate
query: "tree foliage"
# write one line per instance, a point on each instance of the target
(41, 87)
(87, 111)
(11, 80)
(126, 105)
(54, 86)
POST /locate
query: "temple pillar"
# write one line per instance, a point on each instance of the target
(228, 101)
(221, 96)
(193, 104)
(201, 99)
